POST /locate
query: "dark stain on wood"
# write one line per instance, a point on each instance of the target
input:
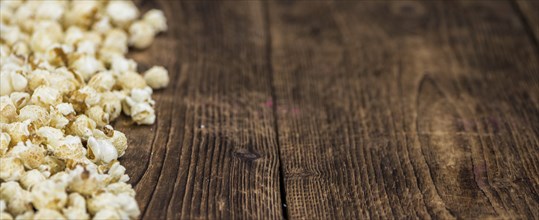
(341, 110)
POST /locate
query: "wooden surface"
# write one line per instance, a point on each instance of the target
(343, 109)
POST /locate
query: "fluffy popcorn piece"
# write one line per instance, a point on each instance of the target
(51, 135)
(102, 150)
(81, 13)
(51, 166)
(117, 173)
(119, 188)
(69, 148)
(11, 169)
(4, 143)
(102, 82)
(76, 207)
(48, 195)
(141, 34)
(82, 127)
(122, 203)
(42, 40)
(31, 178)
(156, 19)
(87, 66)
(58, 120)
(50, 10)
(30, 154)
(156, 77)
(12, 81)
(65, 108)
(73, 35)
(85, 182)
(131, 80)
(97, 114)
(48, 214)
(140, 106)
(102, 25)
(116, 40)
(46, 96)
(111, 102)
(18, 131)
(5, 216)
(122, 13)
(117, 138)
(37, 115)
(121, 65)
(8, 111)
(19, 99)
(17, 199)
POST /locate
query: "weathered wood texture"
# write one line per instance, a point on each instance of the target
(405, 109)
(529, 9)
(344, 109)
(213, 151)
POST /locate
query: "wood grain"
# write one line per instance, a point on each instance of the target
(405, 109)
(213, 151)
(341, 110)
(529, 10)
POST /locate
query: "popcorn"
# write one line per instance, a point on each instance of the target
(141, 34)
(156, 77)
(103, 150)
(11, 169)
(64, 77)
(156, 19)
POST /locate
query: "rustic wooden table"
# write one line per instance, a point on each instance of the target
(346, 109)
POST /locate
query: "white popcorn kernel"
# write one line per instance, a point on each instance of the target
(81, 14)
(116, 40)
(5, 216)
(8, 111)
(156, 77)
(17, 199)
(31, 155)
(18, 131)
(82, 127)
(37, 115)
(85, 182)
(4, 143)
(31, 178)
(103, 150)
(102, 25)
(65, 108)
(141, 35)
(42, 40)
(58, 120)
(102, 82)
(156, 19)
(51, 166)
(76, 207)
(73, 35)
(131, 80)
(97, 114)
(11, 168)
(20, 48)
(86, 47)
(87, 66)
(111, 102)
(122, 12)
(51, 135)
(38, 78)
(11, 81)
(51, 10)
(19, 99)
(48, 195)
(49, 214)
(121, 65)
(69, 148)
(119, 188)
(143, 113)
(46, 96)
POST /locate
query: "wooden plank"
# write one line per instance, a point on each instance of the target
(529, 9)
(213, 151)
(406, 109)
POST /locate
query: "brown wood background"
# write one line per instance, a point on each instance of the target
(341, 109)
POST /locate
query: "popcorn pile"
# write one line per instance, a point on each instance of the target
(63, 78)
